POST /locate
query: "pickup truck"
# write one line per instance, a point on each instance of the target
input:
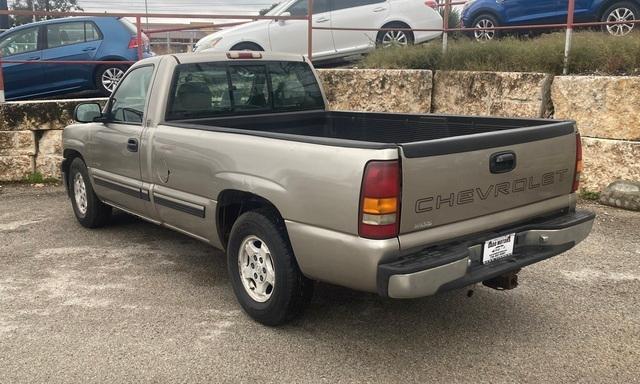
(239, 150)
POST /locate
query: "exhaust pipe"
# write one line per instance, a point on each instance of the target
(503, 282)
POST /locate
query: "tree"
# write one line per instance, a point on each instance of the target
(44, 6)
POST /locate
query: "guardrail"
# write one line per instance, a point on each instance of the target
(569, 26)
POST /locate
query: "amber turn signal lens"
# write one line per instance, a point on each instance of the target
(374, 206)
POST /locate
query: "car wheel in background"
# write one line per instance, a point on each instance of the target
(395, 38)
(487, 23)
(247, 47)
(623, 11)
(108, 77)
(89, 210)
(263, 270)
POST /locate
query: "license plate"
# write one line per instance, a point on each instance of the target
(498, 248)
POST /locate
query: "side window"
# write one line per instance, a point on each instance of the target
(20, 42)
(59, 35)
(301, 7)
(91, 32)
(344, 4)
(249, 88)
(128, 102)
(294, 87)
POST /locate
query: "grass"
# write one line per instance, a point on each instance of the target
(589, 195)
(38, 178)
(592, 53)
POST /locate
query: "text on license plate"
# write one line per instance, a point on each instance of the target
(498, 248)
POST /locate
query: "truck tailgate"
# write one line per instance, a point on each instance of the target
(454, 179)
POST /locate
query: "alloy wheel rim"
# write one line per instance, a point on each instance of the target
(620, 14)
(111, 78)
(80, 193)
(487, 32)
(395, 39)
(256, 269)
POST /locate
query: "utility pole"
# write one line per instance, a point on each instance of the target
(4, 19)
(146, 12)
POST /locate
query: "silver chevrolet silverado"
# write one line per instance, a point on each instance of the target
(239, 150)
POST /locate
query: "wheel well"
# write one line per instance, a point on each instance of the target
(69, 155)
(609, 3)
(483, 13)
(232, 204)
(400, 24)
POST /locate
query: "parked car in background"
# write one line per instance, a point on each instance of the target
(290, 36)
(68, 39)
(488, 14)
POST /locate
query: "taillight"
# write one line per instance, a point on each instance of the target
(380, 200)
(431, 3)
(579, 164)
(134, 42)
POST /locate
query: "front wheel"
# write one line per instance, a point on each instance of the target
(89, 210)
(108, 77)
(620, 12)
(263, 270)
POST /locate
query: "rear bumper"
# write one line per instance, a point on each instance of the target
(459, 264)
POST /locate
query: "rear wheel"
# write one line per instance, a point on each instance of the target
(263, 270)
(247, 47)
(623, 11)
(108, 77)
(487, 23)
(395, 37)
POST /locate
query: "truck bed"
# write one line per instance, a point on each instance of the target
(418, 134)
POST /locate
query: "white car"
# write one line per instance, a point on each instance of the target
(291, 35)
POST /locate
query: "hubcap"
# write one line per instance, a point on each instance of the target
(80, 193)
(487, 33)
(256, 269)
(620, 14)
(395, 39)
(111, 77)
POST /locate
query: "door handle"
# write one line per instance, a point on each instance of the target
(322, 20)
(132, 145)
(379, 9)
(89, 49)
(502, 162)
(34, 58)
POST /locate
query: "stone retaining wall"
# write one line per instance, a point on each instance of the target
(607, 110)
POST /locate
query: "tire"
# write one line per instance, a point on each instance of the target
(621, 11)
(394, 38)
(247, 47)
(108, 77)
(270, 263)
(485, 21)
(89, 210)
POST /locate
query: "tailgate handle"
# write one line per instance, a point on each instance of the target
(502, 162)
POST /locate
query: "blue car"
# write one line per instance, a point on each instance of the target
(496, 13)
(68, 39)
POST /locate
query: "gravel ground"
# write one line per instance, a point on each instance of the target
(138, 303)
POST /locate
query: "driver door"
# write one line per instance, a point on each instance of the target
(291, 35)
(114, 148)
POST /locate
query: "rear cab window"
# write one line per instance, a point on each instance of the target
(206, 90)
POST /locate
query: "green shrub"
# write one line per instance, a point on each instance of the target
(592, 53)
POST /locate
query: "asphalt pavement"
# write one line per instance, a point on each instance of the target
(138, 303)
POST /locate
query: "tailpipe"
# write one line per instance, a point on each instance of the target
(503, 282)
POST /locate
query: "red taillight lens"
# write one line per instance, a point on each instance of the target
(380, 200)
(431, 3)
(579, 164)
(134, 42)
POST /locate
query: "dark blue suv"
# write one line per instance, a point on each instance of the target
(493, 13)
(68, 39)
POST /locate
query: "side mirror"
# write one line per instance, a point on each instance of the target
(87, 112)
(285, 14)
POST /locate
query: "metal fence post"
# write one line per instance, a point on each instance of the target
(139, 36)
(310, 29)
(445, 26)
(569, 34)
(2, 99)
